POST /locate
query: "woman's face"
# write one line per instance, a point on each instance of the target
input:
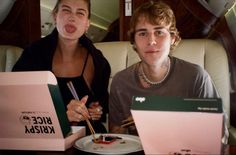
(72, 19)
(152, 42)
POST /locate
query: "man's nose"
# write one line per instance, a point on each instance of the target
(152, 39)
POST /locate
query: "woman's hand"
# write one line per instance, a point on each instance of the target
(95, 110)
(77, 111)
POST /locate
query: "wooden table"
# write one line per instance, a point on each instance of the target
(71, 151)
(231, 150)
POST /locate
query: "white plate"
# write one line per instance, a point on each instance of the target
(127, 144)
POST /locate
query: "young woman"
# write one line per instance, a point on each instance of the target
(71, 56)
(153, 34)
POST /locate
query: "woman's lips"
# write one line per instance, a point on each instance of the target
(70, 28)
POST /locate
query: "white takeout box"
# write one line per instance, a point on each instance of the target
(174, 125)
(32, 113)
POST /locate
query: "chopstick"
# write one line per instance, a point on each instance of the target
(73, 92)
(127, 124)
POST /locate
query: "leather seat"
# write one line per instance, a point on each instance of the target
(8, 57)
(207, 53)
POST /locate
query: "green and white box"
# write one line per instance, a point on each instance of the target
(175, 125)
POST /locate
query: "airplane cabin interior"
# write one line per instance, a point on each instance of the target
(25, 21)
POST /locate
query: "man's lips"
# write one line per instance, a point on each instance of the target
(151, 51)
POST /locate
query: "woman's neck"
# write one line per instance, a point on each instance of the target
(68, 49)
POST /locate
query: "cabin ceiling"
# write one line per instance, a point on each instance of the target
(103, 13)
(217, 7)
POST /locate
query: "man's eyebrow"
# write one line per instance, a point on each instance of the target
(159, 27)
(142, 29)
(155, 28)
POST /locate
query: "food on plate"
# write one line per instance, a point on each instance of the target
(106, 139)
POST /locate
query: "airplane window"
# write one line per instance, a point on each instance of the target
(217, 7)
(231, 20)
(5, 7)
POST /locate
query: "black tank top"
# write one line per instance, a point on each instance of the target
(82, 89)
(80, 85)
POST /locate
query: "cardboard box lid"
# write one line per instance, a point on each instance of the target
(31, 106)
(171, 103)
(173, 125)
